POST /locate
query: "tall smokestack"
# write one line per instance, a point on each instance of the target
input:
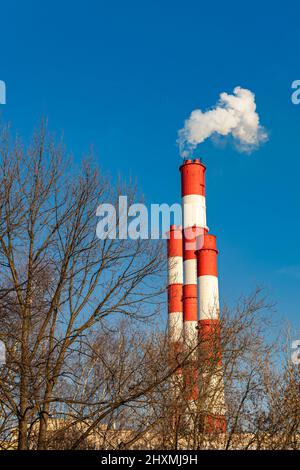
(210, 336)
(194, 224)
(175, 281)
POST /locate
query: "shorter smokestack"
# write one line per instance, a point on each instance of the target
(175, 319)
(175, 281)
(212, 382)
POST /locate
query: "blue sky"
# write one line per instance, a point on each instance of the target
(123, 76)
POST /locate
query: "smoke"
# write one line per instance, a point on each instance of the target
(234, 115)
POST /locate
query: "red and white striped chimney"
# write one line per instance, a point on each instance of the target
(194, 224)
(175, 281)
(210, 336)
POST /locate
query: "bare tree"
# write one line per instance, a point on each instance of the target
(59, 281)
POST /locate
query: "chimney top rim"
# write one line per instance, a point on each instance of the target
(195, 161)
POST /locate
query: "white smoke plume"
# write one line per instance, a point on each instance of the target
(234, 115)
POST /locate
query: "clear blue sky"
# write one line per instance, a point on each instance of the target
(123, 76)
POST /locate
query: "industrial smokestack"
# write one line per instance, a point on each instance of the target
(210, 336)
(194, 224)
(175, 282)
(194, 324)
(175, 318)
